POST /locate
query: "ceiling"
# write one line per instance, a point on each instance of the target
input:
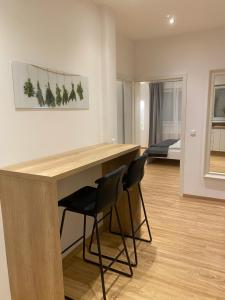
(144, 19)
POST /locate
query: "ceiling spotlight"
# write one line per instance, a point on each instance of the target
(171, 19)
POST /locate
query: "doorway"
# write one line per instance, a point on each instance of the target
(172, 117)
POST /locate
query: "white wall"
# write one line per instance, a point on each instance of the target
(64, 35)
(120, 113)
(194, 55)
(125, 57)
(67, 35)
(108, 56)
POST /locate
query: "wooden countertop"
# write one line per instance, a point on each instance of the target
(68, 163)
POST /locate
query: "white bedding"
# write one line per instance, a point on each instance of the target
(175, 151)
(177, 145)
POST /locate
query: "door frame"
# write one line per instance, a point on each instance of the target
(184, 79)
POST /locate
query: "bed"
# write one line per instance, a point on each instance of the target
(167, 149)
(174, 151)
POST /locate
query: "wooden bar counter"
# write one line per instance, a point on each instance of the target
(28, 195)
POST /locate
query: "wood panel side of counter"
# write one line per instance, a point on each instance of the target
(123, 203)
(31, 229)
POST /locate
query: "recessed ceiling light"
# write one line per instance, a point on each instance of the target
(171, 19)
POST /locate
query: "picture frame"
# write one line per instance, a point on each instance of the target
(36, 87)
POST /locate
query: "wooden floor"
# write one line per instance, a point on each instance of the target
(217, 162)
(186, 259)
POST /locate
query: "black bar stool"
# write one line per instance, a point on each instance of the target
(134, 176)
(90, 201)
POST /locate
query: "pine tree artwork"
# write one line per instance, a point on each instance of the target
(50, 99)
(39, 95)
(29, 88)
(65, 97)
(80, 91)
(73, 94)
(58, 95)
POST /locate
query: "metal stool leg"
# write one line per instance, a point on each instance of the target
(124, 242)
(95, 225)
(132, 229)
(146, 217)
(113, 259)
(140, 225)
(84, 237)
(110, 221)
(100, 259)
(92, 237)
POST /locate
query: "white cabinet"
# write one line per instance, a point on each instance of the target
(218, 139)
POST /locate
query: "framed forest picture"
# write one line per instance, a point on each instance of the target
(41, 88)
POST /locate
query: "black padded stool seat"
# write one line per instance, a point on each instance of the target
(82, 201)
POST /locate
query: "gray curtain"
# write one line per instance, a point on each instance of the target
(155, 112)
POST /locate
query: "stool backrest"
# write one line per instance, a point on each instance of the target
(135, 171)
(110, 188)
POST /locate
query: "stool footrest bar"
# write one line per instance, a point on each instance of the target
(111, 258)
(108, 268)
